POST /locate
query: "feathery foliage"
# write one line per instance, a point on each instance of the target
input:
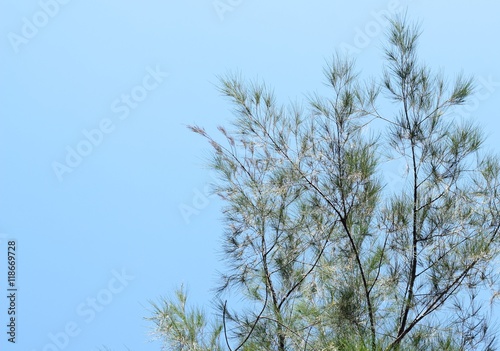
(324, 254)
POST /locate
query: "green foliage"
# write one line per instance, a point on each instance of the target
(324, 255)
(182, 329)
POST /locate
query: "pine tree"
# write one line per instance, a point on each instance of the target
(323, 253)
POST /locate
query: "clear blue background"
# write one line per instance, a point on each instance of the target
(120, 208)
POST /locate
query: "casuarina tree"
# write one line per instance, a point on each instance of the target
(321, 252)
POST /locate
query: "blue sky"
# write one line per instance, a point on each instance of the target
(96, 161)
